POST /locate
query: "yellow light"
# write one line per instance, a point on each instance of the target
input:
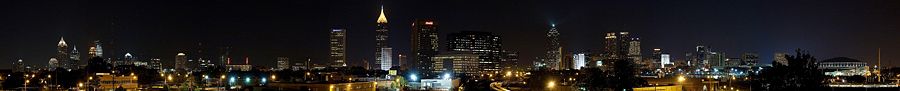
(169, 77)
(91, 78)
(80, 84)
(307, 73)
(508, 73)
(681, 78)
(222, 77)
(551, 84)
(132, 73)
(273, 77)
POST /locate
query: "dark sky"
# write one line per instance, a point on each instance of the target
(265, 29)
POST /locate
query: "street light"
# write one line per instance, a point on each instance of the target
(551, 84)
(681, 79)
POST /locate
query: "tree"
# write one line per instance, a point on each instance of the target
(624, 75)
(800, 73)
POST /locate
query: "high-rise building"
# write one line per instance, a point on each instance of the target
(155, 63)
(621, 45)
(128, 60)
(749, 59)
(181, 64)
(96, 50)
(381, 41)
(665, 60)
(510, 61)
(461, 63)
(656, 57)
(579, 60)
(74, 59)
(62, 53)
(554, 50)
(338, 43)
(20, 66)
(485, 44)
(386, 60)
(781, 58)
(283, 63)
(225, 56)
(52, 64)
(424, 44)
(716, 59)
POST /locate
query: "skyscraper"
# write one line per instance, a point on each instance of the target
(96, 50)
(424, 44)
(381, 41)
(337, 43)
(283, 63)
(621, 45)
(749, 59)
(181, 62)
(579, 60)
(62, 54)
(510, 61)
(554, 49)
(656, 57)
(485, 44)
(73, 59)
(52, 64)
(20, 66)
(386, 61)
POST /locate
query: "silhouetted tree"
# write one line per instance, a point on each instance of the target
(800, 73)
(624, 75)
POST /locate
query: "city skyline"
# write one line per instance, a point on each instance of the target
(287, 28)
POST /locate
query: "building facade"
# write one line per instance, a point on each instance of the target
(338, 43)
(484, 44)
(381, 42)
(554, 56)
(424, 44)
(460, 63)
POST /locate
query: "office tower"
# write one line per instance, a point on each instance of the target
(579, 60)
(381, 41)
(656, 58)
(461, 63)
(96, 50)
(621, 45)
(781, 58)
(510, 61)
(338, 43)
(52, 64)
(181, 62)
(20, 66)
(155, 63)
(400, 60)
(485, 44)
(424, 44)
(716, 59)
(283, 63)
(386, 60)
(554, 49)
(128, 60)
(699, 57)
(62, 54)
(665, 60)
(74, 59)
(749, 59)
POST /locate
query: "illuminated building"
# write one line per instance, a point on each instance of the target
(665, 59)
(656, 57)
(381, 42)
(155, 63)
(462, 63)
(749, 59)
(20, 66)
(112, 82)
(510, 61)
(283, 63)
(484, 44)
(579, 60)
(424, 43)
(385, 61)
(96, 50)
(621, 45)
(554, 49)
(338, 48)
(73, 60)
(843, 66)
(781, 58)
(62, 55)
(52, 64)
(181, 62)
(129, 60)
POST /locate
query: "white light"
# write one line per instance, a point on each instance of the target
(413, 77)
(446, 76)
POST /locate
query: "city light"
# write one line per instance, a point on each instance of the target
(551, 84)
(681, 79)
(413, 77)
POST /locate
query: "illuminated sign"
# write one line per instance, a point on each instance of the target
(429, 23)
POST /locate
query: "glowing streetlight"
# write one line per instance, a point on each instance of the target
(681, 79)
(551, 84)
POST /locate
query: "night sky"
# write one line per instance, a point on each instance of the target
(265, 29)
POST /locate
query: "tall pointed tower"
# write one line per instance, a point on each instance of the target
(62, 53)
(554, 49)
(382, 47)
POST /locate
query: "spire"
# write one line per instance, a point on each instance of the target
(62, 42)
(382, 18)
